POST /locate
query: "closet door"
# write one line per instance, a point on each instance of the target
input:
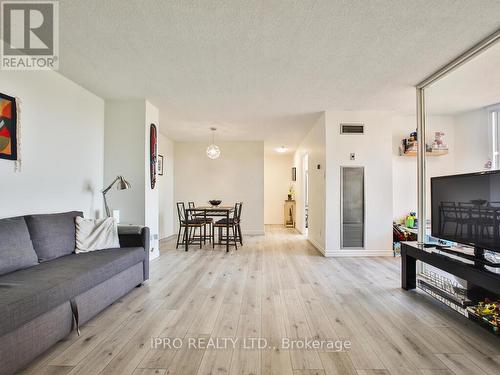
(353, 207)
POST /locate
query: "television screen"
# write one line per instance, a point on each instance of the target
(466, 209)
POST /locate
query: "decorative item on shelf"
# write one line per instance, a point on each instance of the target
(291, 193)
(487, 313)
(213, 151)
(160, 165)
(437, 148)
(410, 220)
(400, 233)
(9, 128)
(122, 185)
(215, 202)
(439, 143)
(153, 148)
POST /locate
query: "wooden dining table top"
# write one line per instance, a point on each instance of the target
(213, 208)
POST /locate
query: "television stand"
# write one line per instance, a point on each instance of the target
(480, 281)
(478, 258)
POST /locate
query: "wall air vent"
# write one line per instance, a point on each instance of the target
(352, 128)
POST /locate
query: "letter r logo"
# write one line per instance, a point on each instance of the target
(28, 28)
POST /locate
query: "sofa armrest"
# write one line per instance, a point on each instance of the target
(136, 236)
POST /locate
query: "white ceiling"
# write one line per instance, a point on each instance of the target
(473, 85)
(264, 69)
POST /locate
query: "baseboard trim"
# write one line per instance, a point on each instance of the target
(253, 232)
(168, 237)
(317, 246)
(358, 253)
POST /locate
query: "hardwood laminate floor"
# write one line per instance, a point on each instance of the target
(276, 286)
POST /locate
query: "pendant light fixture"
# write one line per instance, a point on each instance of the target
(213, 151)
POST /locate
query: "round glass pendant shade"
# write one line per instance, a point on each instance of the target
(213, 151)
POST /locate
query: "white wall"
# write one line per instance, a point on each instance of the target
(237, 175)
(127, 154)
(166, 187)
(405, 168)
(468, 136)
(374, 152)
(277, 181)
(62, 128)
(123, 155)
(473, 141)
(314, 145)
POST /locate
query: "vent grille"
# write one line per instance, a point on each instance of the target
(352, 129)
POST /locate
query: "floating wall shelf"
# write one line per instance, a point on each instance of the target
(432, 153)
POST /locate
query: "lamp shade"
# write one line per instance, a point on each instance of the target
(213, 151)
(123, 184)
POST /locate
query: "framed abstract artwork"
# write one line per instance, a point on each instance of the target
(294, 174)
(160, 165)
(8, 127)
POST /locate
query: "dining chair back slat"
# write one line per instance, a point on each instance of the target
(181, 212)
(238, 208)
(191, 214)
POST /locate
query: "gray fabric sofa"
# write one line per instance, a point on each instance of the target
(46, 290)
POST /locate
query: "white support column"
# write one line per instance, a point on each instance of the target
(421, 175)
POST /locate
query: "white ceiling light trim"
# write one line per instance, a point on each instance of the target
(281, 149)
(213, 151)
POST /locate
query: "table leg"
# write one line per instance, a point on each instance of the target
(408, 272)
(227, 231)
(186, 237)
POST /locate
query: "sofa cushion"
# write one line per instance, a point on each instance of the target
(53, 235)
(16, 249)
(28, 293)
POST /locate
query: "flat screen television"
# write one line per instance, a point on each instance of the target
(466, 209)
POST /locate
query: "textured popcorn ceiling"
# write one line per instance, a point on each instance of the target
(263, 70)
(473, 85)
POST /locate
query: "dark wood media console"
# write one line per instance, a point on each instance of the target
(481, 280)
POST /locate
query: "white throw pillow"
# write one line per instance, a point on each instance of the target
(96, 234)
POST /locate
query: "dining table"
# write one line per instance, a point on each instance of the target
(212, 211)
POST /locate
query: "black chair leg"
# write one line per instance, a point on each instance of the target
(201, 238)
(235, 237)
(240, 235)
(178, 237)
(186, 238)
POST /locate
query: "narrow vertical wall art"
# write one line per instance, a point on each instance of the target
(153, 147)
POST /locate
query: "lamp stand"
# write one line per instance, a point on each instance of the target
(104, 192)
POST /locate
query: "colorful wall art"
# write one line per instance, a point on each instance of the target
(8, 127)
(153, 146)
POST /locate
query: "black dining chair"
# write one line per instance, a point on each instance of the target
(238, 224)
(207, 221)
(188, 225)
(234, 226)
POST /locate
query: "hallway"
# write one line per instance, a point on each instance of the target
(276, 286)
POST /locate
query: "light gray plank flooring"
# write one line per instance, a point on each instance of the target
(275, 286)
